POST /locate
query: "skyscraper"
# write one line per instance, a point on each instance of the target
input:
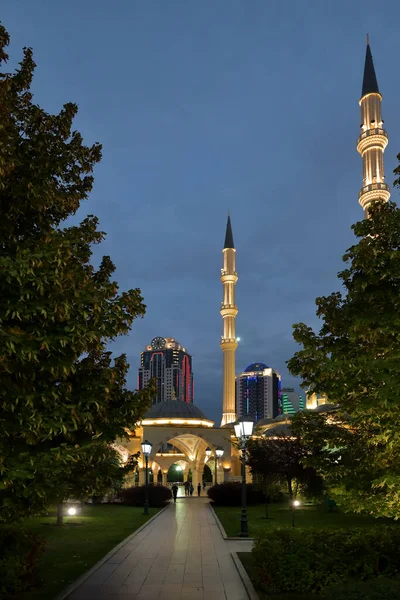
(228, 312)
(292, 402)
(258, 392)
(373, 138)
(168, 362)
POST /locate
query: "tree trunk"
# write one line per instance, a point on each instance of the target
(290, 490)
(59, 514)
(266, 501)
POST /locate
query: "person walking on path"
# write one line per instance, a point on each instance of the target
(174, 491)
(199, 489)
(187, 485)
(191, 489)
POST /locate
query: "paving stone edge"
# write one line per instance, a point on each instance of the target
(73, 586)
(251, 592)
(223, 532)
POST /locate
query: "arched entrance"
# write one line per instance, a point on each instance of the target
(175, 473)
(207, 474)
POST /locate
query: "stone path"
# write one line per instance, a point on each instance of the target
(181, 555)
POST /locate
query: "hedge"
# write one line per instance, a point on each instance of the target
(381, 588)
(159, 495)
(20, 550)
(308, 561)
(230, 494)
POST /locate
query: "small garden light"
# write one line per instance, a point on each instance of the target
(295, 504)
(71, 511)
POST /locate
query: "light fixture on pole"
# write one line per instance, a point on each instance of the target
(146, 451)
(243, 431)
(295, 504)
(219, 452)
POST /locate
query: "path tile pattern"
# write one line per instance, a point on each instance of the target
(181, 555)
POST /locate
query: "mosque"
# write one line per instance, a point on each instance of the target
(178, 430)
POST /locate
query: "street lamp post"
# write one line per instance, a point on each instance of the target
(146, 451)
(243, 430)
(219, 452)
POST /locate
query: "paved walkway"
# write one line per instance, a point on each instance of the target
(181, 555)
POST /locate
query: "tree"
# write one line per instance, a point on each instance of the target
(355, 359)
(64, 399)
(282, 457)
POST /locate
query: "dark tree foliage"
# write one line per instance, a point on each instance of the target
(355, 360)
(63, 398)
(282, 457)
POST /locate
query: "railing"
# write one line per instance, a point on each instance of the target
(370, 132)
(373, 186)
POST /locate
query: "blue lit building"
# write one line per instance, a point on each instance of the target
(258, 392)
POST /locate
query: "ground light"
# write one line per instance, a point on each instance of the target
(72, 511)
(146, 451)
(243, 431)
(295, 504)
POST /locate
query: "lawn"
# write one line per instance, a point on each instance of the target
(82, 541)
(281, 516)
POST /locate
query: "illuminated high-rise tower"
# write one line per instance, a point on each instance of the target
(228, 311)
(373, 139)
(167, 361)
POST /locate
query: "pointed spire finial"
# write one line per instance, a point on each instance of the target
(228, 235)
(370, 83)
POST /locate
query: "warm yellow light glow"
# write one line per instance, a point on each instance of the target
(193, 422)
(71, 511)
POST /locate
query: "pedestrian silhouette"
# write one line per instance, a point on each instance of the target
(174, 491)
(199, 489)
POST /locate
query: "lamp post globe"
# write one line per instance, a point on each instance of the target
(146, 451)
(243, 431)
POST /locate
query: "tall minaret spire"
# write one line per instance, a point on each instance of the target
(373, 138)
(228, 339)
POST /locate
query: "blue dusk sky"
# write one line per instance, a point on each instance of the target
(208, 106)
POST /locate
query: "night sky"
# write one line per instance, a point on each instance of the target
(208, 106)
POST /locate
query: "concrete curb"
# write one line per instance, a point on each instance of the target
(223, 532)
(251, 592)
(73, 586)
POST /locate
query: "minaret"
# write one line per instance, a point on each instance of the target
(228, 339)
(373, 139)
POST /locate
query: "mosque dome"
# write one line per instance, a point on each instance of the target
(172, 410)
(259, 366)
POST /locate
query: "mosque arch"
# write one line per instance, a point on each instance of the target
(176, 474)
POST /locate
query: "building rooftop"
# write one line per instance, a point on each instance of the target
(175, 409)
(259, 366)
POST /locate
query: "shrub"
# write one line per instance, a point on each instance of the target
(134, 496)
(19, 553)
(375, 589)
(230, 494)
(292, 560)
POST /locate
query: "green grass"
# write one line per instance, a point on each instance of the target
(83, 540)
(281, 516)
